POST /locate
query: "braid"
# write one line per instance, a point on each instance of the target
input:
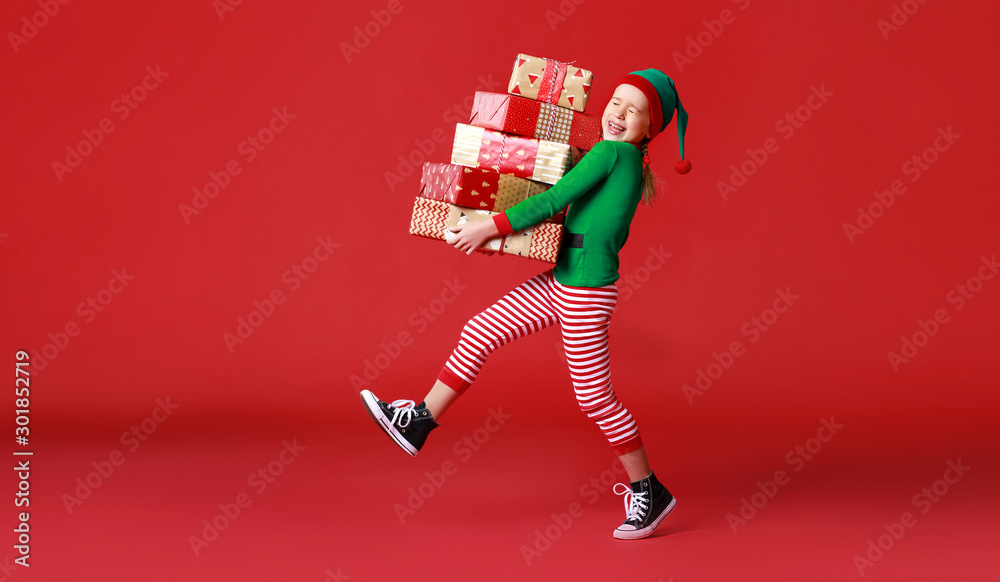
(649, 180)
(645, 159)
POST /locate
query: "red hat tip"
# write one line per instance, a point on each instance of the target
(683, 167)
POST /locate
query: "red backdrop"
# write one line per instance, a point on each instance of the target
(842, 152)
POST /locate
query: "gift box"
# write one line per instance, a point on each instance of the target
(529, 118)
(536, 159)
(477, 188)
(550, 81)
(431, 218)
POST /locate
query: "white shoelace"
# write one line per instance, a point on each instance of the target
(404, 410)
(636, 504)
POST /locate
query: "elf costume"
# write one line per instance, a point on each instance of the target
(602, 191)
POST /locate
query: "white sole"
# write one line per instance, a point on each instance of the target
(375, 411)
(646, 531)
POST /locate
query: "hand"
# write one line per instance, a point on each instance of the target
(471, 235)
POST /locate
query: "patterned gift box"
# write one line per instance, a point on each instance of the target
(521, 116)
(536, 159)
(477, 188)
(431, 218)
(550, 81)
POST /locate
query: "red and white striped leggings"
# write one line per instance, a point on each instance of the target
(584, 314)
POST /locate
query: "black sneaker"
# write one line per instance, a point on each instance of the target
(408, 425)
(647, 503)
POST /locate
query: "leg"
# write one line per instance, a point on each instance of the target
(584, 315)
(524, 310)
(439, 399)
(636, 464)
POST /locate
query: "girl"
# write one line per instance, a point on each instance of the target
(603, 191)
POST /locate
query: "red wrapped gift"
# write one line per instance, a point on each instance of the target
(477, 187)
(530, 118)
(551, 81)
(431, 218)
(536, 159)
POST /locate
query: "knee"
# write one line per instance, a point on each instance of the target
(601, 408)
(477, 332)
(469, 333)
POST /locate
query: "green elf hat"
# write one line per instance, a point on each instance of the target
(662, 95)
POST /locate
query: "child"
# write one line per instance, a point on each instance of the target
(603, 191)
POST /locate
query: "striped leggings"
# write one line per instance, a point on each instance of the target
(584, 314)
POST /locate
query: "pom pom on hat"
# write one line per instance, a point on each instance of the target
(662, 95)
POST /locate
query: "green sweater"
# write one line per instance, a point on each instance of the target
(603, 191)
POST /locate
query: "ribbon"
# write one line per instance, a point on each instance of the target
(503, 142)
(525, 150)
(559, 69)
(552, 122)
(554, 112)
(553, 77)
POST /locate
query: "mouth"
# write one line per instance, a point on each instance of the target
(615, 129)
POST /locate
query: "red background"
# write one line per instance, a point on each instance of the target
(325, 175)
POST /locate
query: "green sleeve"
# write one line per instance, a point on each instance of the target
(595, 166)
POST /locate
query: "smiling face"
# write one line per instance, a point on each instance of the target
(627, 118)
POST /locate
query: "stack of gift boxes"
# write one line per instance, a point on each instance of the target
(516, 145)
